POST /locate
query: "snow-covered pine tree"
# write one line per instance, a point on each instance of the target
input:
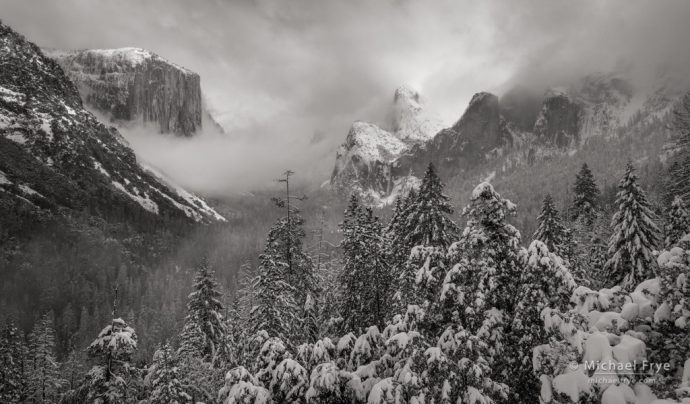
(480, 292)
(236, 326)
(275, 310)
(365, 278)
(44, 380)
(678, 183)
(353, 276)
(13, 361)
(590, 250)
(585, 202)
(204, 331)
(428, 230)
(377, 270)
(485, 261)
(396, 231)
(427, 220)
(289, 242)
(635, 235)
(552, 232)
(163, 379)
(545, 282)
(290, 382)
(107, 381)
(310, 316)
(678, 222)
(74, 368)
(286, 277)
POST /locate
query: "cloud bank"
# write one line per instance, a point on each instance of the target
(286, 78)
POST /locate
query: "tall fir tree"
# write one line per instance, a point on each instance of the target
(286, 278)
(552, 232)
(485, 262)
(678, 182)
(45, 381)
(109, 380)
(286, 259)
(275, 310)
(678, 222)
(635, 235)
(480, 291)
(586, 200)
(426, 219)
(378, 272)
(365, 278)
(352, 277)
(13, 364)
(163, 379)
(204, 332)
(424, 223)
(396, 231)
(545, 282)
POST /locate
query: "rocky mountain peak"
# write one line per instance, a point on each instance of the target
(405, 94)
(136, 85)
(410, 121)
(559, 119)
(364, 161)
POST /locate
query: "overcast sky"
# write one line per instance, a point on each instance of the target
(276, 72)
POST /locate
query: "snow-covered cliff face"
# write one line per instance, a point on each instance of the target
(364, 162)
(518, 129)
(56, 157)
(132, 84)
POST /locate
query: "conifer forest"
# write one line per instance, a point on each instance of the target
(169, 234)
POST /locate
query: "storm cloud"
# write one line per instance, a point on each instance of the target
(286, 78)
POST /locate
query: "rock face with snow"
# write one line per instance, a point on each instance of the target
(56, 156)
(364, 163)
(132, 84)
(520, 128)
(481, 131)
(558, 121)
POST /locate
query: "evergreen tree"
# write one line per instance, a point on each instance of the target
(426, 220)
(585, 203)
(107, 381)
(545, 283)
(236, 326)
(12, 364)
(204, 331)
(74, 368)
(352, 278)
(678, 222)
(427, 225)
(286, 276)
(485, 262)
(44, 382)
(634, 237)
(397, 230)
(678, 183)
(480, 291)
(163, 379)
(275, 311)
(552, 232)
(589, 251)
(365, 278)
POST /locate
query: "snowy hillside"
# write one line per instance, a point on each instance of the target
(57, 155)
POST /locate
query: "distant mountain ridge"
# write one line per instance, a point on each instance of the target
(55, 155)
(516, 129)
